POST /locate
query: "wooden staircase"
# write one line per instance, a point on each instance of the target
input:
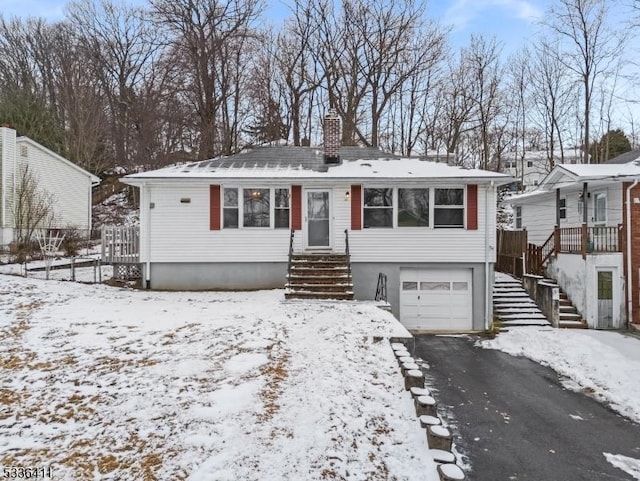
(319, 276)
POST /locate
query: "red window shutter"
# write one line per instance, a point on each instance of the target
(214, 207)
(472, 207)
(296, 207)
(356, 207)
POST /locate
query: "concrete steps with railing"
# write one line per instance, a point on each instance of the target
(570, 318)
(319, 276)
(513, 306)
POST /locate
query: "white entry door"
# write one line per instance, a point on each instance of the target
(318, 219)
(436, 299)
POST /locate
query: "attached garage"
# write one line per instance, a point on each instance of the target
(436, 299)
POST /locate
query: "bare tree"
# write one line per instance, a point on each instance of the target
(299, 73)
(554, 96)
(482, 60)
(31, 208)
(209, 39)
(122, 43)
(588, 45)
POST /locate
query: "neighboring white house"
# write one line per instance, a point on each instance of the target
(593, 251)
(66, 185)
(226, 224)
(529, 170)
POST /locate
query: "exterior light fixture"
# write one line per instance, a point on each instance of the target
(347, 195)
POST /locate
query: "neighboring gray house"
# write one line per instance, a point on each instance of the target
(66, 185)
(229, 223)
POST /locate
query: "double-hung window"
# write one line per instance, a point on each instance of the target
(448, 208)
(600, 208)
(562, 208)
(281, 209)
(230, 208)
(518, 216)
(378, 207)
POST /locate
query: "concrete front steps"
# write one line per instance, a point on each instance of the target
(319, 276)
(570, 318)
(513, 306)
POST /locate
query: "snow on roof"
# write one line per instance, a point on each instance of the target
(564, 175)
(305, 162)
(602, 171)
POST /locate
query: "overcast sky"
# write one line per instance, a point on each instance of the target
(510, 21)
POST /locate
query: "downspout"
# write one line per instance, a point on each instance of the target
(488, 288)
(629, 273)
(147, 204)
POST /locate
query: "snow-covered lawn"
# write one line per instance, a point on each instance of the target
(113, 384)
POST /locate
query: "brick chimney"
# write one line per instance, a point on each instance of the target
(332, 137)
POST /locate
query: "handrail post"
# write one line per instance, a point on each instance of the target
(583, 241)
(346, 251)
(290, 251)
(557, 241)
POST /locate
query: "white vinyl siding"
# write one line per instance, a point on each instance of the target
(180, 233)
(539, 212)
(69, 187)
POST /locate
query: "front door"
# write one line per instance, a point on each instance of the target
(318, 219)
(605, 299)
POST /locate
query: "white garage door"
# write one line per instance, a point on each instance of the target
(436, 299)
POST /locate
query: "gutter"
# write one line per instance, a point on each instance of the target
(629, 273)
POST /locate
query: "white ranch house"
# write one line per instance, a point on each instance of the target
(236, 223)
(64, 183)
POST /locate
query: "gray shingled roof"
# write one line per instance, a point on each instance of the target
(625, 158)
(307, 158)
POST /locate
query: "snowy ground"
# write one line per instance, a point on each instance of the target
(112, 384)
(605, 365)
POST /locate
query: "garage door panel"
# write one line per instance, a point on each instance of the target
(436, 299)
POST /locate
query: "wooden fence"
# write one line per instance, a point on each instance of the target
(512, 245)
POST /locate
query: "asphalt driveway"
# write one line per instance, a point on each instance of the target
(513, 420)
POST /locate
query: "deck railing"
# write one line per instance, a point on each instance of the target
(516, 256)
(120, 245)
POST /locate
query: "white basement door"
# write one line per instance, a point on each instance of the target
(436, 299)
